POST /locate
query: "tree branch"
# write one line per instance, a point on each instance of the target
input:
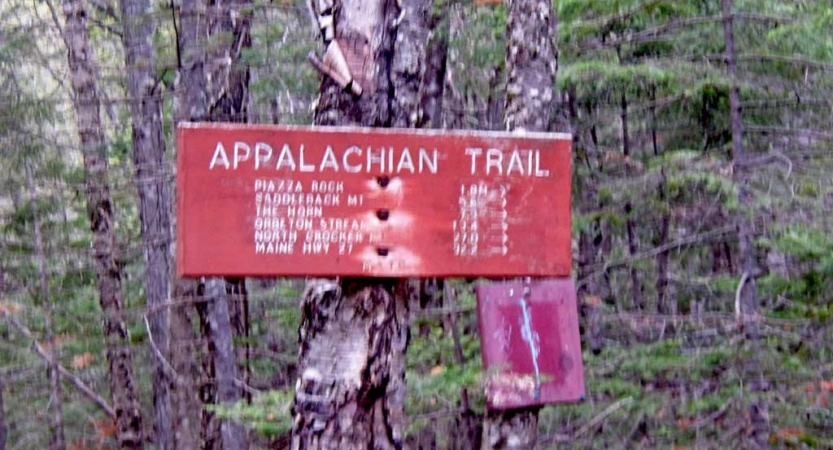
(86, 390)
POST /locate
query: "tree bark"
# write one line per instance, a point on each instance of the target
(223, 361)
(354, 333)
(433, 77)
(191, 104)
(83, 75)
(3, 437)
(748, 306)
(58, 441)
(409, 63)
(630, 226)
(665, 305)
(530, 66)
(185, 404)
(226, 303)
(352, 366)
(153, 185)
(452, 108)
(214, 87)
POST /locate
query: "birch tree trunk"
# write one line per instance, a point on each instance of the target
(83, 76)
(747, 307)
(354, 332)
(152, 180)
(530, 66)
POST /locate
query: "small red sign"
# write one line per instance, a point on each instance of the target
(263, 200)
(530, 343)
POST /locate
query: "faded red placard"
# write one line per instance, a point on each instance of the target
(530, 343)
(263, 200)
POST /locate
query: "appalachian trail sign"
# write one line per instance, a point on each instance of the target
(268, 200)
(284, 201)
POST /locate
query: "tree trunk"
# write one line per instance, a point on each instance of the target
(58, 441)
(433, 77)
(155, 200)
(530, 67)
(83, 75)
(748, 307)
(409, 63)
(665, 305)
(225, 299)
(354, 333)
(215, 87)
(2, 414)
(352, 365)
(452, 105)
(223, 363)
(630, 226)
(191, 104)
(185, 404)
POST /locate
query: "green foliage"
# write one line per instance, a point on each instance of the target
(269, 414)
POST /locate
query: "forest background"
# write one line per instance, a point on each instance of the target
(702, 243)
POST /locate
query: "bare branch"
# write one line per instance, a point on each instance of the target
(86, 390)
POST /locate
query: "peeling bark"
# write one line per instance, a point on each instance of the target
(352, 365)
(83, 75)
(153, 185)
(354, 333)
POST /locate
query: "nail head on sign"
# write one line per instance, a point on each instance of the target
(382, 251)
(383, 180)
(383, 214)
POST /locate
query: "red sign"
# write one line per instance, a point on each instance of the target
(261, 200)
(530, 343)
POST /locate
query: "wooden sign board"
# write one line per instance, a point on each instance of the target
(261, 200)
(530, 343)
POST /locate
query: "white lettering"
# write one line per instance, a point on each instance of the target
(474, 152)
(515, 163)
(424, 160)
(371, 158)
(494, 158)
(405, 159)
(238, 146)
(263, 152)
(286, 158)
(349, 167)
(219, 155)
(538, 171)
(304, 167)
(329, 160)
